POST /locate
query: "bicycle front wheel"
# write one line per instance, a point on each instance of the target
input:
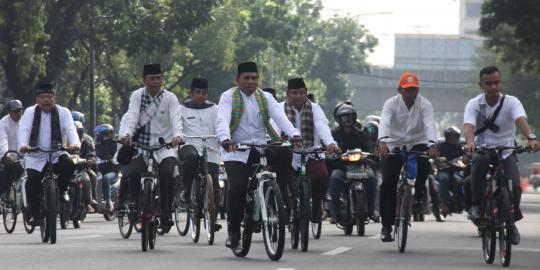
(404, 213)
(9, 210)
(52, 210)
(209, 210)
(274, 221)
(305, 206)
(181, 216)
(195, 210)
(506, 220)
(146, 222)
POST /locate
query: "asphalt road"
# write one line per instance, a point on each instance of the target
(98, 245)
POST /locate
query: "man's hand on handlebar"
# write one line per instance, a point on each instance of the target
(382, 149)
(176, 141)
(433, 151)
(535, 145)
(469, 147)
(126, 140)
(24, 149)
(297, 141)
(228, 145)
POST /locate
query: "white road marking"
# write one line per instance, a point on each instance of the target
(336, 251)
(285, 269)
(85, 236)
(374, 236)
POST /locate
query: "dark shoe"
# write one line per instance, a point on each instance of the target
(35, 221)
(217, 227)
(232, 241)
(333, 220)
(316, 217)
(386, 234)
(514, 235)
(475, 212)
(517, 215)
(445, 209)
(165, 225)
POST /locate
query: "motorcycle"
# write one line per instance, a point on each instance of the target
(104, 167)
(457, 168)
(353, 204)
(74, 209)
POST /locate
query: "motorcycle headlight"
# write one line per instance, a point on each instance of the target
(459, 164)
(354, 157)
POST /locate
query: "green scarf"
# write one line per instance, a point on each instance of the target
(238, 110)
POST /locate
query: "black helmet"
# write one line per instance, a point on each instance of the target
(452, 131)
(14, 105)
(341, 103)
(344, 113)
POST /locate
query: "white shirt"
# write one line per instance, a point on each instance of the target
(197, 122)
(37, 161)
(251, 129)
(406, 127)
(477, 110)
(8, 135)
(320, 124)
(167, 122)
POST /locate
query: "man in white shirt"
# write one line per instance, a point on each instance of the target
(406, 121)
(244, 114)
(9, 126)
(153, 113)
(481, 129)
(309, 118)
(46, 125)
(199, 118)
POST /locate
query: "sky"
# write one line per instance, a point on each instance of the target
(384, 18)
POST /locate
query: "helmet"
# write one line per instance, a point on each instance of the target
(452, 131)
(79, 126)
(345, 113)
(14, 105)
(104, 131)
(374, 118)
(372, 128)
(78, 116)
(341, 103)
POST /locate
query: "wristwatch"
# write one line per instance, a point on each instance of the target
(531, 137)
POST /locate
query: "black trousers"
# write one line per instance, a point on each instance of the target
(137, 167)
(64, 168)
(190, 163)
(479, 168)
(391, 168)
(238, 174)
(10, 172)
(280, 160)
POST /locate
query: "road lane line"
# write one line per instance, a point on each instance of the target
(285, 269)
(84, 237)
(336, 251)
(374, 236)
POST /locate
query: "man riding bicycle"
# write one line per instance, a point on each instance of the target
(46, 125)
(309, 118)
(199, 118)
(153, 113)
(406, 121)
(349, 136)
(244, 114)
(9, 126)
(490, 120)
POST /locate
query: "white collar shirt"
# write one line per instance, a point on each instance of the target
(251, 129)
(37, 161)
(8, 135)
(477, 111)
(197, 122)
(406, 127)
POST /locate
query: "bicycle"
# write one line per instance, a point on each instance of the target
(264, 207)
(149, 196)
(202, 197)
(497, 208)
(74, 209)
(49, 196)
(14, 201)
(405, 191)
(301, 200)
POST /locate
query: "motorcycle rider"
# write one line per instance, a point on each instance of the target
(348, 136)
(106, 148)
(88, 153)
(449, 149)
(92, 169)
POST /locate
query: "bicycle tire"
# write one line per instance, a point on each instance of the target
(124, 226)
(316, 227)
(27, 227)
(275, 211)
(9, 211)
(295, 217)
(63, 213)
(52, 210)
(209, 211)
(305, 219)
(360, 212)
(195, 210)
(246, 229)
(402, 223)
(145, 217)
(489, 244)
(181, 210)
(505, 220)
